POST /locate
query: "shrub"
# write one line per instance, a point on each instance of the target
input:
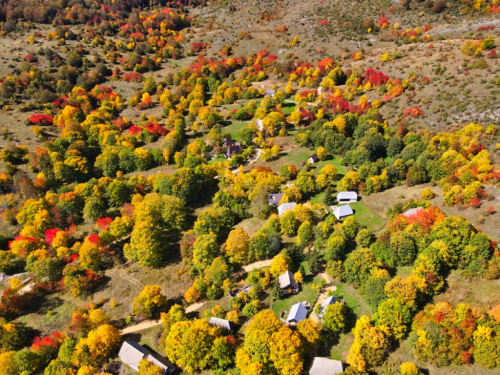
(427, 194)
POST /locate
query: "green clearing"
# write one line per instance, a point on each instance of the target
(318, 198)
(307, 293)
(367, 217)
(220, 159)
(234, 128)
(335, 162)
(288, 108)
(356, 308)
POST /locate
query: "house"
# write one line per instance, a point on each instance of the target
(326, 366)
(412, 211)
(270, 92)
(347, 197)
(132, 353)
(233, 150)
(228, 142)
(313, 159)
(235, 292)
(328, 301)
(341, 212)
(284, 207)
(274, 199)
(223, 323)
(298, 313)
(287, 283)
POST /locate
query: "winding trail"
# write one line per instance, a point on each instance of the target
(191, 308)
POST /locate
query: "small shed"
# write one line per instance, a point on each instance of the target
(341, 212)
(288, 284)
(228, 142)
(233, 150)
(326, 366)
(412, 211)
(347, 197)
(270, 92)
(298, 313)
(284, 207)
(313, 159)
(235, 292)
(132, 353)
(328, 301)
(274, 199)
(222, 323)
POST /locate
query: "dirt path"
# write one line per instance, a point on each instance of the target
(195, 306)
(131, 280)
(256, 265)
(153, 323)
(322, 296)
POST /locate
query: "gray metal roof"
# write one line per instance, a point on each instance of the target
(282, 208)
(326, 366)
(298, 312)
(132, 353)
(412, 211)
(328, 301)
(343, 211)
(223, 323)
(275, 198)
(287, 280)
(347, 195)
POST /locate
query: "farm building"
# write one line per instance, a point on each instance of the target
(313, 159)
(284, 207)
(326, 366)
(222, 323)
(288, 284)
(341, 212)
(274, 199)
(412, 211)
(298, 312)
(347, 197)
(132, 353)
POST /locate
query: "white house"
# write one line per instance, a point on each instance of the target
(341, 212)
(298, 312)
(326, 366)
(313, 159)
(284, 207)
(347, 197)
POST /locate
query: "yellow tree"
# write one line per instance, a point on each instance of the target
(237, 246)
(97, 347)
(280, 263)
(310, 331)
(286, 351)
(149, 301)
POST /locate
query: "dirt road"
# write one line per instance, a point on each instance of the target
(195, 306)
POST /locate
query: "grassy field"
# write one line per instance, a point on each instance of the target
(251, 225)
(356, 308)
(367, 216)
(234, 128)
(307, 293)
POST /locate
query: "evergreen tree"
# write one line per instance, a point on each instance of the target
(313, 261)
(329, 199)
(277, 293)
